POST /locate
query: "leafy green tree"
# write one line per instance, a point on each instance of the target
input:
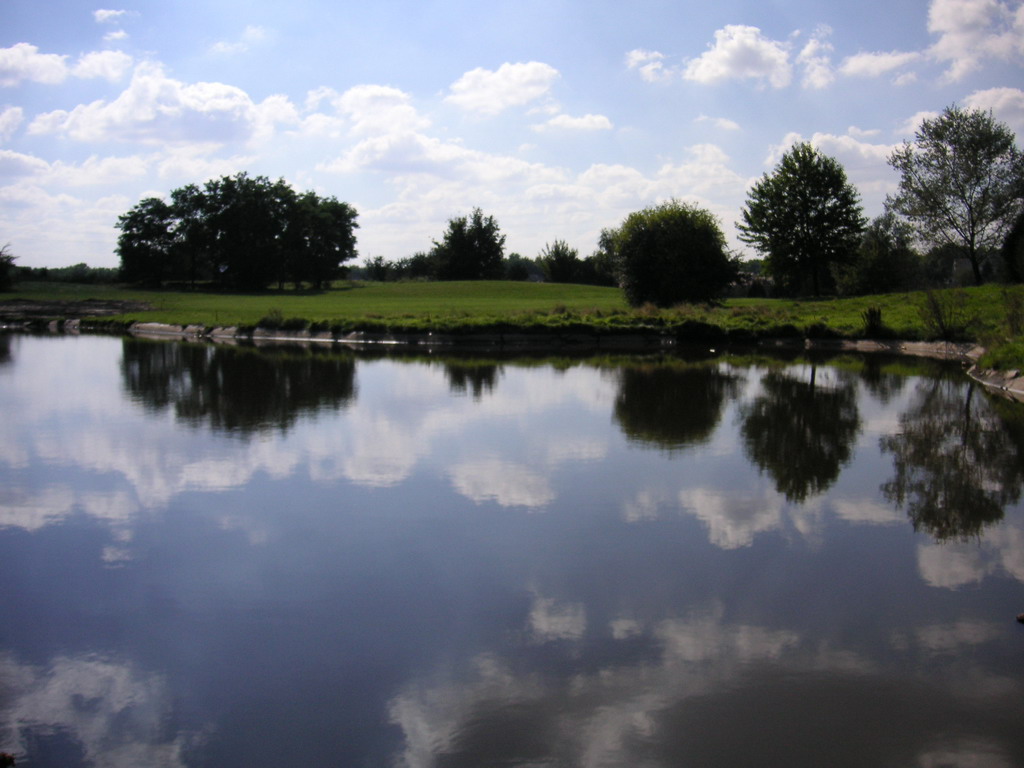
(7, 267)
(671, 253)
(146, 244)
(885, 261)
(561, 264)
(471, 249)
(804, 218)
(245, 232)
(961, 182)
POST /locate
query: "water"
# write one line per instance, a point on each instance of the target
(228, 557)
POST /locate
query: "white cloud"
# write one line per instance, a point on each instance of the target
(740, 53)
(815, 60)
(250, 37)
(1007, 105)
(109, 65)
(971, 31)
(24, 62)
(10, 120)
(375, 110)
(115, 36)
(104, 16)
(911, 125)
(584, 123)
(650, 64)
(876, 64)
(721, 123)
(156, 109)
(513, 85)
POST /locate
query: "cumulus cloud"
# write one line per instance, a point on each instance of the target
(10, 120)
(971, 31)
(815, 59)
(584, 123)
(742, 53)
(650, 65)
(1007, 105)
(23, 61)
(109, 65)
(156, 109)
(512, 85)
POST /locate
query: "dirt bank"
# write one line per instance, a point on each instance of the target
(27, 310)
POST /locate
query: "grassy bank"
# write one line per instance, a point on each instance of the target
(988, 314)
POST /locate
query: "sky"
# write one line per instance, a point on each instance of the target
(556, 117)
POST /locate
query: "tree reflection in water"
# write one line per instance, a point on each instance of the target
(672, 406)
(956, 463)
(473, 378)
(237, 389)
(801, 433)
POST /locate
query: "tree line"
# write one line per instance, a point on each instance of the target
(959, 206)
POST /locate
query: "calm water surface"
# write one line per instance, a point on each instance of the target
(228, 557)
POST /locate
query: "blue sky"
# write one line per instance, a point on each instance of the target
(557, 117)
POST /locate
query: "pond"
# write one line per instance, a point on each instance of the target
(221, 556)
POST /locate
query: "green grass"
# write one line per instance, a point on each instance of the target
(986, 312)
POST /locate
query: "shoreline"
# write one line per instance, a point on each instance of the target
(1010, 384)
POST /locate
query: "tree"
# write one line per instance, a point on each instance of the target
(885, 260)
(804, 218)
(146, 242)
(672, 253)
(6, 267)
(244, 232)
(561, 264)
(471, 249)
(961, 182)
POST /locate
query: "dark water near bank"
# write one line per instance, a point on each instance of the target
(228, 557)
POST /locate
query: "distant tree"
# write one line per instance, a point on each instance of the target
(244, 232)
(672, 253)
(146, 244)
(378, 268)
(471, 249)
(7, 268)
(805, 218)
(518, 267)
(561, 264)
(601, 267)
(885, 260)
(961, 182)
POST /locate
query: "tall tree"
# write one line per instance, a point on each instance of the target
(671, 253)
(146, 242)
(805, 218)
(961, 182)
(561, 264)
(471, 249)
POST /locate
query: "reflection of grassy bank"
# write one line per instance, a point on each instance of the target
(985, 313)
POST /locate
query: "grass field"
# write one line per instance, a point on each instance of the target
(990, 314)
